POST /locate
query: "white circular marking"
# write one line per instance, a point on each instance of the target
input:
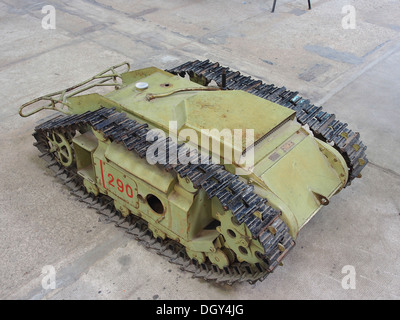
(142, 85)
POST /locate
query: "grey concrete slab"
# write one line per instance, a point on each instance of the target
(373, 103)
(352, 72)
(23, 36)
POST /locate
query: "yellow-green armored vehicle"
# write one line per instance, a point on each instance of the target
(212, 169)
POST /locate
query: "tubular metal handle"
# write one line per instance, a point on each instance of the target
(60, 97)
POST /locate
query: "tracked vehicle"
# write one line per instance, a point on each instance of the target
(217, 217)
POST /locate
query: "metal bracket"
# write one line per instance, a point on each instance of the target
(322, 200)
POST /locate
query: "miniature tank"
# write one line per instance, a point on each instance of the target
(142, 156)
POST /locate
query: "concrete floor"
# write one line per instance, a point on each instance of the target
(354, 73)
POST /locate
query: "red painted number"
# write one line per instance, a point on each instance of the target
(110, 182)
(120, 186)
(129, 191)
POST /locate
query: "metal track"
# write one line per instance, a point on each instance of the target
(234, 195)
(322, 124)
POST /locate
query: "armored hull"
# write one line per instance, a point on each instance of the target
(219, 179)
